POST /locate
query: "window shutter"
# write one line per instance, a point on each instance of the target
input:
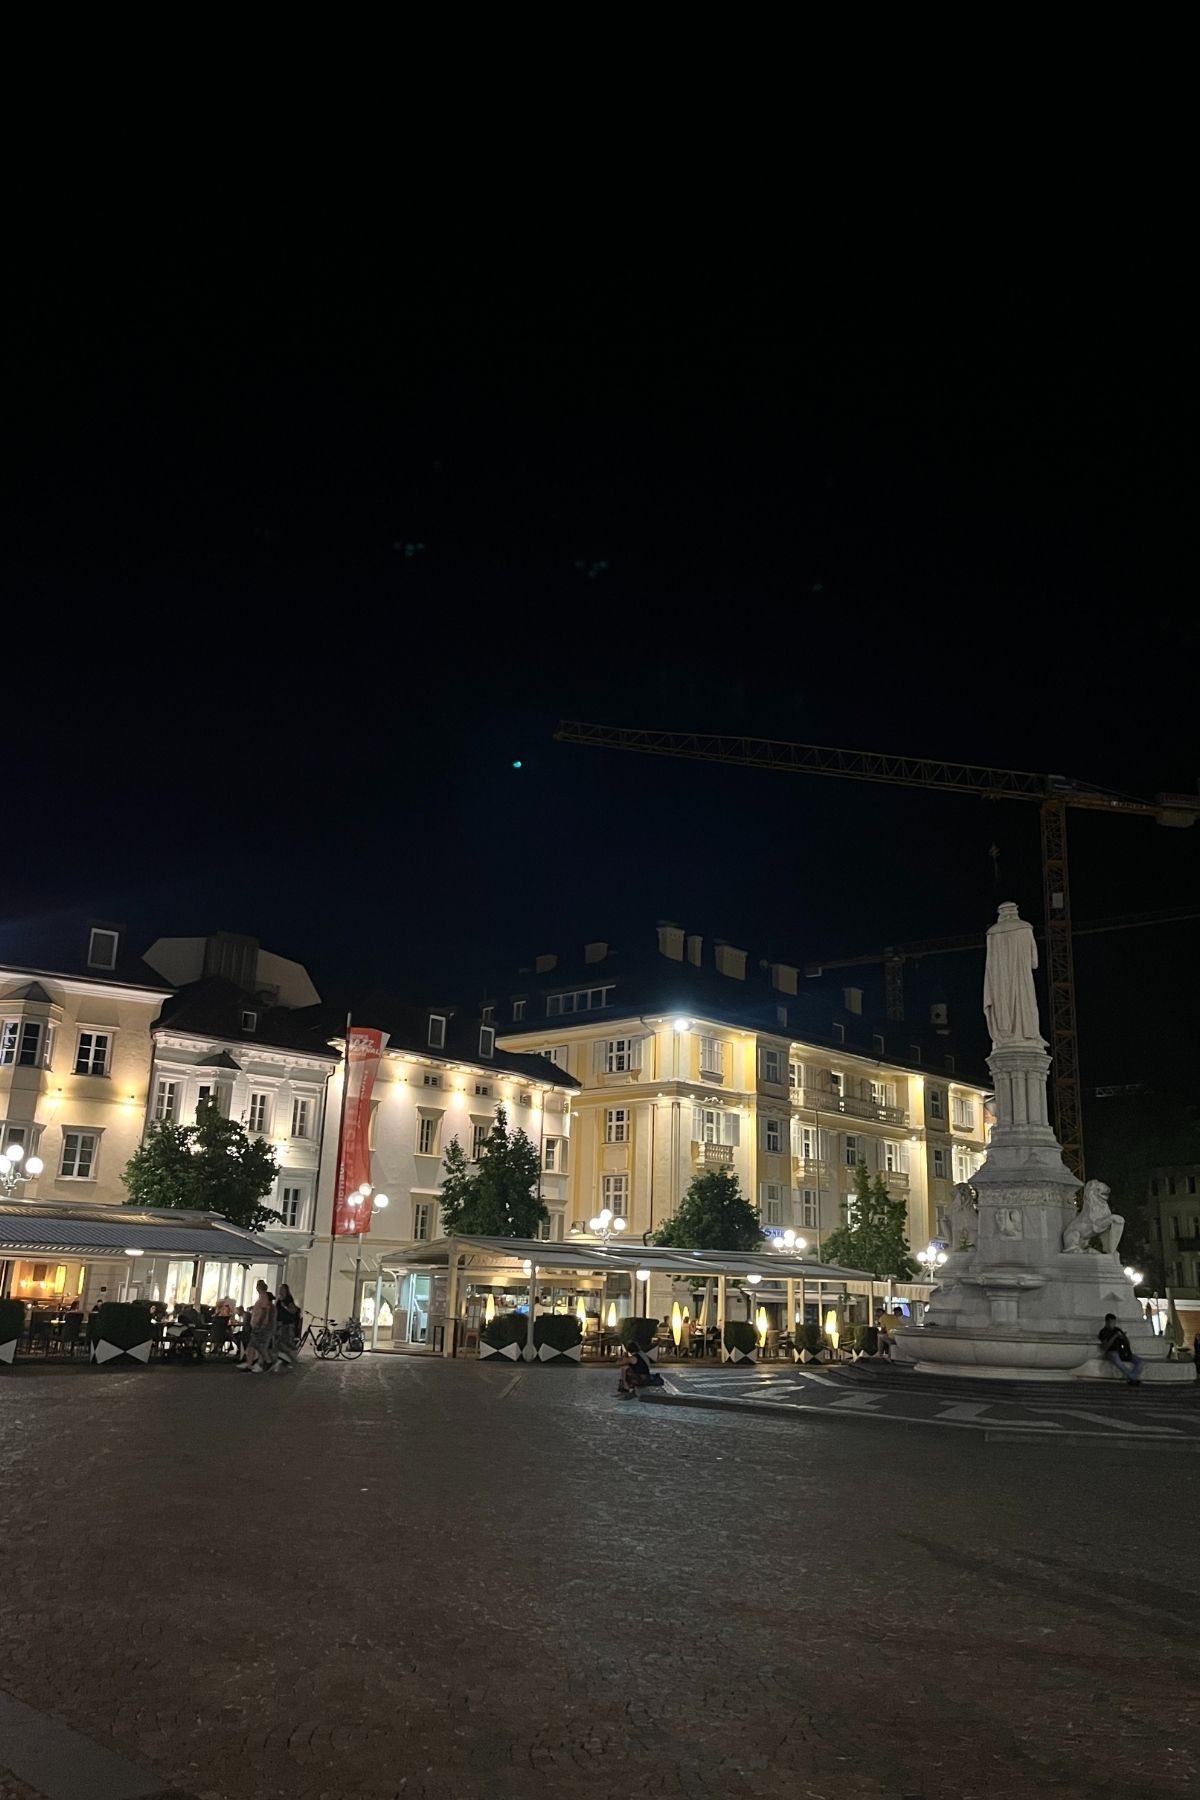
(796, 1150)
(599, 1054)
(733, 1125)
(904, 1159)
(635, 1052)
(698, 1124)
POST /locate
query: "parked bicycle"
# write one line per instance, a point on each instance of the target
(329, 1339)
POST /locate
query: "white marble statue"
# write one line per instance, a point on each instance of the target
(964, 1216)
(1096, 1219)
(1009, 1001)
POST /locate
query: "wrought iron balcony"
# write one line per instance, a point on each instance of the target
(824, 1100)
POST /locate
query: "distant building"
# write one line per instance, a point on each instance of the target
(695, 1056)
(76, 1010)
(441, 1077)
(1173, 1206)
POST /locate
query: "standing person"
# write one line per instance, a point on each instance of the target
(1115, 1348)
(261, 1316)
(287, 1327)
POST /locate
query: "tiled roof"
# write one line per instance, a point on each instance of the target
(213, 1008)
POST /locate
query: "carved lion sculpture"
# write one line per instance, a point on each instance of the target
(1095, 1219)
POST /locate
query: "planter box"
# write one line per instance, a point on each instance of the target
(546, 1353)
(103, 1351)
(740, 1356)
(507, 1352)
(8, 1350)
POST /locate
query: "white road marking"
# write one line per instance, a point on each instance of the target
(854, 1403)
(964, 1409)
(508, 1387)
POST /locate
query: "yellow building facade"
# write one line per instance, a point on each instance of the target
(663, 1098)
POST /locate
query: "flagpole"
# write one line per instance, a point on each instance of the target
(339, 1166)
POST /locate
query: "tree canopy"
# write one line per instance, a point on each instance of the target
(211, 1166)
(501, 1198)
(714, 1214)
(873, 1232)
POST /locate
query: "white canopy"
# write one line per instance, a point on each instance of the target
(585, 1257)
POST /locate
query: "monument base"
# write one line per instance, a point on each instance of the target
(988, 1355)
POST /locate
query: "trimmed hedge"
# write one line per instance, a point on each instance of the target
(12, 1320)
(637, 1331)
(122, 1323)
(810, 1338)
(559, 1331)
(505, 1329)
(866, 1338)
(740, 1335)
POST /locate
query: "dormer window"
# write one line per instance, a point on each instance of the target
(487, 1041)
(437, 1031)
(487, 1014)
(102, 948)
(249, 1021)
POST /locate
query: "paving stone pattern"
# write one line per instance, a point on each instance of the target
(405, 1580)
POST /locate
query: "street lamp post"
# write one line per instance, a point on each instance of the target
(932, 1258)
(359, 1200)
(607, 1224)
(16, 1169)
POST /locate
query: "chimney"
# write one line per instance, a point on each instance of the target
(670, 941)
(594, 953)
(730, 961)
(695, 950)
(234, 956)
(544, 963)
(783, 977)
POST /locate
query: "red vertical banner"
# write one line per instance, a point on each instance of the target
(363, 1051)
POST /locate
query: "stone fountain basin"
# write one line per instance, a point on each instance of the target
(1024, 1353)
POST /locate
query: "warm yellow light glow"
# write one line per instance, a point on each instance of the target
(60, 1278)
(676, 1323)
(581, 1313)
(831, 1327)
(82, 1274)
(762, 1324)
(611, 1320)
(489, 1311)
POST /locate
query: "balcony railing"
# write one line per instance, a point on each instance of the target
(712, 1068)
(714, 1156)
(850, 1106)
(897, 1179)
(810, 1171)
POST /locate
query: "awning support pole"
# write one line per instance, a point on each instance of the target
(529, 1350)
(721, 1315)
(451, 1329)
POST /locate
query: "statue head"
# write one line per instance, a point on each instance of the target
(1008, 911)
(1096, 1196)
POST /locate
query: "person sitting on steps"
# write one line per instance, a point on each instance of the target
(1115, 1348)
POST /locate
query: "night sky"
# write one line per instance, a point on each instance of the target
(311, 530)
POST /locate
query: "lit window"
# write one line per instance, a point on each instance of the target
(166, 1103)
(301, 1118)
(91, 1055)
(259, 1112)
(79, 1150)
(437, 1031)
(102, 949)
(616, 1125)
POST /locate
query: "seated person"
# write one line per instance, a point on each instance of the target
(635, 1373)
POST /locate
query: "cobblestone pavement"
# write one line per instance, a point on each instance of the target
(1169, 1414)
(407, 1580)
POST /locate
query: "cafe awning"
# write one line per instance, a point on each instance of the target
(33, 1229)
(623, 1258)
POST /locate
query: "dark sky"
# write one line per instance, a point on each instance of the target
(312, 529)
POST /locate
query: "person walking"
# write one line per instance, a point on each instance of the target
(1115, 1348)
(258, 1349)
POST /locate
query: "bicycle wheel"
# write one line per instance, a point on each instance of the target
(353, 1348)
(327, 1345)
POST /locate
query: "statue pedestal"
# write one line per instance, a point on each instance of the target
(1014, 1305)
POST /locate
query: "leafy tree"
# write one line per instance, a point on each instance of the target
(872, 1234)
(714, 1214)
(501, 1199)
(211, 1166)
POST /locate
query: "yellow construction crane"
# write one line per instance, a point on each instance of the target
(1052, 793)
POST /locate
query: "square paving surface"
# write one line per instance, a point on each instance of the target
(410, 1580)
